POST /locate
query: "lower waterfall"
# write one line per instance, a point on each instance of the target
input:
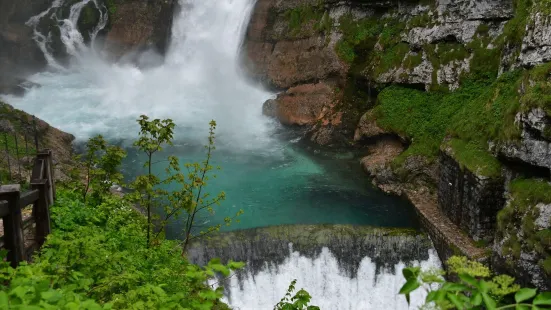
(341, 266)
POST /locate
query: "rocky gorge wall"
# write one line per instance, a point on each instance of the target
(450, 99)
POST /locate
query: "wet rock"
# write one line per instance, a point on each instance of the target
(302, 105)
(269, 108)
(139, 25)
(350, 244)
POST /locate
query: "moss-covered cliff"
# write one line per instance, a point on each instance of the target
(464, 86)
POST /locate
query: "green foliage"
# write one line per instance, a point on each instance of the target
(95, 259)
(101, 167)
(475, 288)
(192, 198)
(299, 301)
(154, 135)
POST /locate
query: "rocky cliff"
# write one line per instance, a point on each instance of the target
(19, 54)
(21, 133)
(449, 98)
(30, 29)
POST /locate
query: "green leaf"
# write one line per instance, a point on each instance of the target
(543, 299)
(4, 301)
(454, 287)
(525, 294)
(468, 279)
(456, 301)
(488, 301)
(410, 286)
(476, 300)
(411, 272)
(522, 307)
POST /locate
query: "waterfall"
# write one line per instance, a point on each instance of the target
(200, 80)
(69, 33)
(343, 267)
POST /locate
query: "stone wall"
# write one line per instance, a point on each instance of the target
(471, 201)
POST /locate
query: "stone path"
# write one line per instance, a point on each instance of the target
(441, 229)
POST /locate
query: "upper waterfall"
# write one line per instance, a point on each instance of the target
(199, 80)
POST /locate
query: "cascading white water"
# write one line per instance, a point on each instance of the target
(329, 286)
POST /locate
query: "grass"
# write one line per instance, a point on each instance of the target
(475, 158)
(478, 112)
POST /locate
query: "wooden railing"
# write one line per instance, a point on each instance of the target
(41, 196)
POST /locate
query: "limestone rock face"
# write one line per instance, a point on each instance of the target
(536, 45)
(475, 9)
(534, 147)
(19, 55)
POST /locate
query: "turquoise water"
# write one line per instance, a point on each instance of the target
(295, 185)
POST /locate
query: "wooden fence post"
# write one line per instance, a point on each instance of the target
(46, 155)
(13, 224)
(41, 211)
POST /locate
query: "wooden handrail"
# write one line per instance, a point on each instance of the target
(12, 201)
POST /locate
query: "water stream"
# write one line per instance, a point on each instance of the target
(266, 171)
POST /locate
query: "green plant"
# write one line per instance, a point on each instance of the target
(154, 135)
(192, 198)
(102, 162)
(475, 288)
(299, 301)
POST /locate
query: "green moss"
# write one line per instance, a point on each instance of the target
(448, 52)
(520, 214)
(475, 158)
(89, 15)
(538, 88)
(413, 60)
(546, 265)
(308, 19)
(514, 30)
(354, 33)
(111, 7)
(421, 20)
